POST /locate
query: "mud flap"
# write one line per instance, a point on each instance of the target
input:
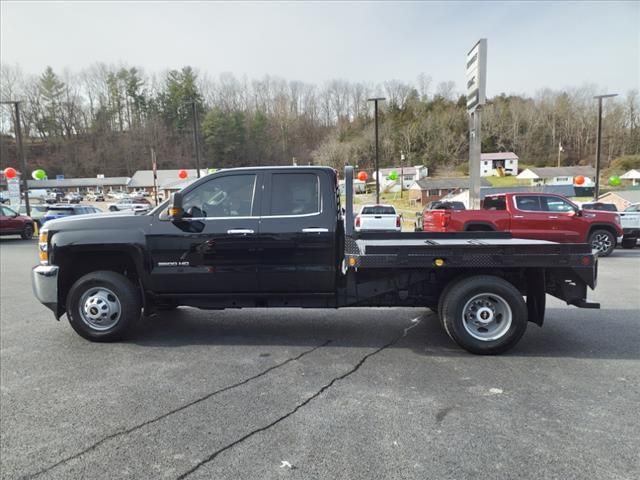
(536, 296)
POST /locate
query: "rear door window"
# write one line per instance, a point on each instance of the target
(528, 203)
(295, 194)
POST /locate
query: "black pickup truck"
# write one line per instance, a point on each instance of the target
(279, 237)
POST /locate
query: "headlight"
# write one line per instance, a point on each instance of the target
(43, 246)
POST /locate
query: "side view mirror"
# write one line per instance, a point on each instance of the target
(175, 207)
(577, 212)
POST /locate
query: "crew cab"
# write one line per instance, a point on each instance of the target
(378, 218)
(279, 237)
(539, 216)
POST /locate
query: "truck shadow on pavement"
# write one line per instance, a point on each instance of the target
(570, 333)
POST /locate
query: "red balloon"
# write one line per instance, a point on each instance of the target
(362, 176)
(579, 180)
(183, 174)
(10, 172)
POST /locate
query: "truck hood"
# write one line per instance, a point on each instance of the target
(99, 221)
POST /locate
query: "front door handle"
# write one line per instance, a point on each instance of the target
(315, 230)
(553, 216)
(240, 231)
(518, 216)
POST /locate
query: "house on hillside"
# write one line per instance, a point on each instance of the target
(633, 175)
(558, 175)
(498, 164)
(621, 198)
(429, 189)
(408, 175)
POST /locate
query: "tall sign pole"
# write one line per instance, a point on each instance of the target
(375, 103)
(476, 97)
(21, 156)
(596, 190)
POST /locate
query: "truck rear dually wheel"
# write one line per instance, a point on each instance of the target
(102, 306)
(484, 314)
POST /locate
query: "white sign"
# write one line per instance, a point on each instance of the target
(477, 75)
(13, 187)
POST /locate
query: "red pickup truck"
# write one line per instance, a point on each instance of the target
(540, 216)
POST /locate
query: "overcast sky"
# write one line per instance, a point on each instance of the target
(531, 45)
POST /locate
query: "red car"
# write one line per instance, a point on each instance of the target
(539, 216)
(12, 223)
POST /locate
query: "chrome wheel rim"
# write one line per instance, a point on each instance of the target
(487, 317)
(100, 308)
(601, 242)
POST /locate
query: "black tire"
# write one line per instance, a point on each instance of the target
(27, 232)
(106, 283)
(113, 209)
(488, 290)
(603, 241)
(629, 242)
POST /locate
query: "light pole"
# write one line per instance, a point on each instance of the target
(20, 152)
(596, 191)
(401, 172)
(375, 101)
(196, 140)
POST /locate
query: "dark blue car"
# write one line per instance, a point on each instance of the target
(59, 211)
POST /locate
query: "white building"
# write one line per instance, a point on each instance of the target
(559, 175)
(498, 164)
(408, 175)
(633, 175)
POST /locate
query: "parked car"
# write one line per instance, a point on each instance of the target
(538, 216)
(437, 205)
(73, 198)
(601, 206)
(37, 212)
(54, 196)
(12, 223)
(59, 211)
(137, 204)
(630, 219)
(378, 218)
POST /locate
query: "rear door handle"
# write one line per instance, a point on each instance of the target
(240, 231)
(315, 230)
(553, 216)
(518, 216)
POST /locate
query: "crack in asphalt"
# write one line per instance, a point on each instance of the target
(308, 400)
(171, 412)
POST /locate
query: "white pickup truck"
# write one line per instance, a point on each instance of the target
(630, 219)
(378, 218)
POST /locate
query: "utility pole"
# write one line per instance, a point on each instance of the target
(401, 172)
(196, 140)
(596, 191)
(20, 152)
(375, 101)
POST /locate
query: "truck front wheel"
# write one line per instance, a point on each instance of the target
(102, 306)
(603, 241)
(484, 314)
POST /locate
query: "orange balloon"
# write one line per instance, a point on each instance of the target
(579, 180)
(362, 176)
(183, 174)
(10, 172)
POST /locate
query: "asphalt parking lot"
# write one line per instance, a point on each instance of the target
(314, 394)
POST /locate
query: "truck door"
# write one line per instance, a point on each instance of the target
(529, 220)
(213, 249)
(297, 232)
(561, 215)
